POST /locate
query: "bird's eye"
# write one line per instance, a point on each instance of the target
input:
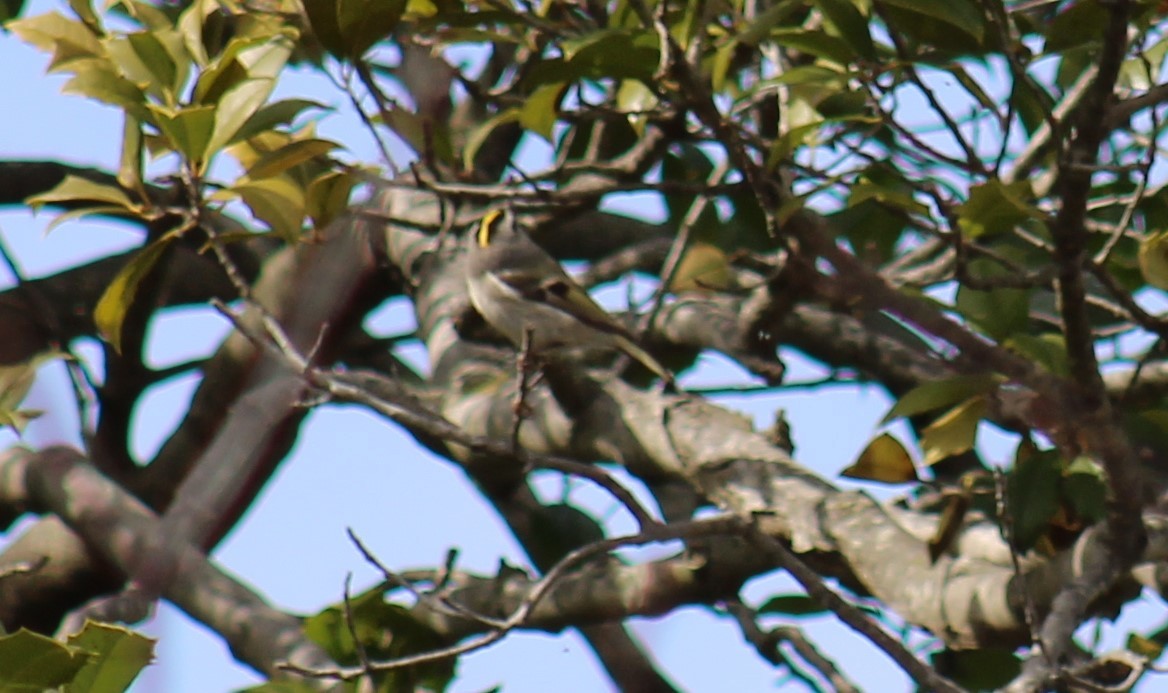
(560, 289)
(488, 226)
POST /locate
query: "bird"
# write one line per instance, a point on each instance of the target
(516, 286)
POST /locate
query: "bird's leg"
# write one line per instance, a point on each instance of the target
(528, 365)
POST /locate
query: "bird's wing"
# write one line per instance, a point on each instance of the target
(563, 294)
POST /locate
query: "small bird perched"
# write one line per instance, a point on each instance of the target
(516, 286)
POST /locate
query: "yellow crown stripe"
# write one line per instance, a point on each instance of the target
(488, 225)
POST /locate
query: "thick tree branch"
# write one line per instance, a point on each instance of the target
(117, 528)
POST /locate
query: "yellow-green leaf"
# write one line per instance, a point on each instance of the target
(480, 134)
(115, 302)
(635, 98)
(1154, 259)
(98, 80)
(238, 104)
(142, 59)
(67, 39)
(723, 57)
(190, 27)
(1146, 647)
(328, 197)
(295, 152)
(130, 163)
(15, 382)
(885, 460)
(258, 56)
(1047, 349)
(703, 267)
(38, 661)
(84, 11)
(121, 656)
(538, 113)
(279, 202)
(939, 394)
(17, 379)
(275, 114)
(188, 129)
(164, 50)
(995, 207)
(75, 189)
(96, 210)
(954, 432)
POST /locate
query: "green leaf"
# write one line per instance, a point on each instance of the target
(817, 43)
(1153, 259)
(1076, 25)
(994, 207)
(1000, 312)
(760, 28)
(154, 61)
(15, 382)
(386, 631)
(720, 67)
(422, 132)
(987, 669)
(850, 24)
(1047, 349)
(328, 197)
(1033, 495)
(792, 605)
(238, 104)
(348, 28)
(276, 114)
(604, 54)
(539, 111)
(1085, 488)
(188, 129)
(688, 164)
(10, 9)
(131, 160)
(635, 98)
(97, 79)
(1146, 647)
(190, 27)
(279, 202)
(974, 88)
(296, 152)
(115, 302)
(120, 655)
(954, 432)
(479, 135)
(887, 195)
(939, 394)
(67, 39)
(326, 27)
(963, 15)
(34, 662)
(76, 190)
(96, 210)
(259, 57)
(363, 23)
